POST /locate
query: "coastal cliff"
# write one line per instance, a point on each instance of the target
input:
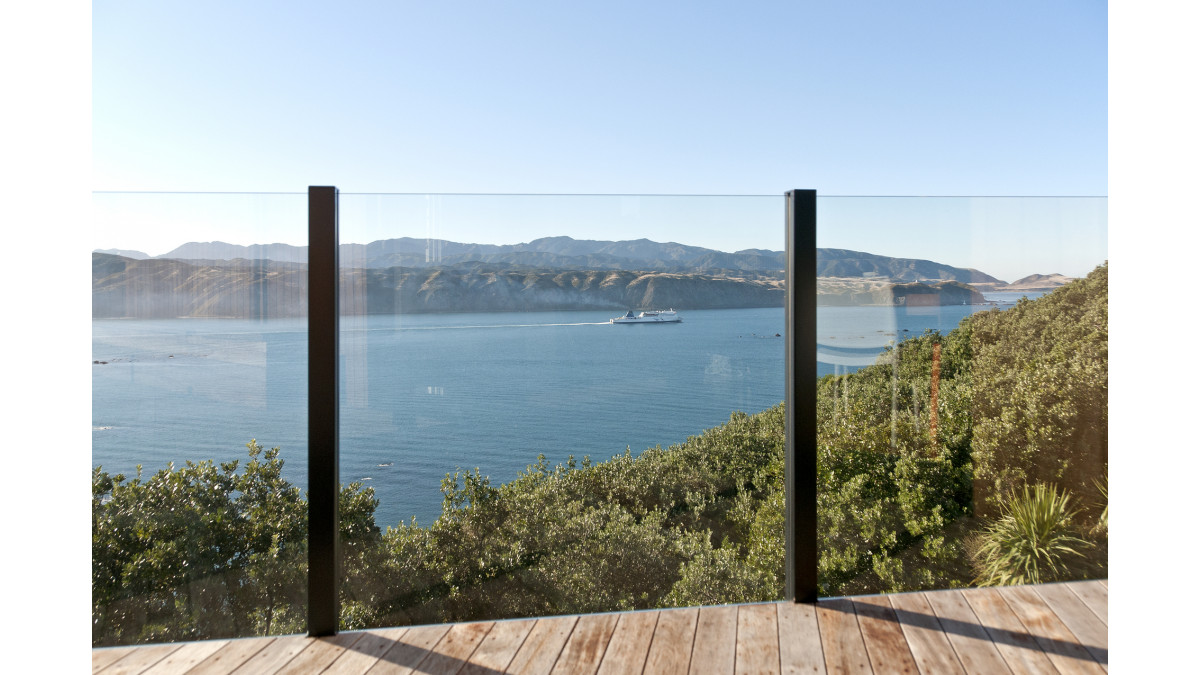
(848, 292)
(403, 290)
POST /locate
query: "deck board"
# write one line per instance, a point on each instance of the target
(1025, 629)
(408, 651)
(757, 650)
(586, 646)
(1087, 627)
(841, 637)
(883, 636)
(1094, 595)
(497, 650)
(715, 646)
(541, 648)
(106, 656)
(366, 652)
(1060, 644)
(450, 654)
(1020, 650)
(931, 649)
(799, 639)
(276, 655)
(320, 654)
(630, 644)
(231, 656)
(971, 641)
(139, 660)
(674, 635)
(186, 657)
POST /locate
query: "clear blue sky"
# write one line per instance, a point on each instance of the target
(611, 97)
(865, 98)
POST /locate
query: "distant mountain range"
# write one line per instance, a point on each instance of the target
(565, 253)
(1029, 284)
(408, 275)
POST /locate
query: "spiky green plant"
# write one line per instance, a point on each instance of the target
(1032, 542)
(1102, 522)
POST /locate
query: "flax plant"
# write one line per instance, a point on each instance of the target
(1102, 523)
(1032, 542)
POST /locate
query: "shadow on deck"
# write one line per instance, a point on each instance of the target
(1043, 628)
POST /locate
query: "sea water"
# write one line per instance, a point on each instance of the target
(426, 395)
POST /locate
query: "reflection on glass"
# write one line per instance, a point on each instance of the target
(962, 405)
(529, 455)
(199, 410)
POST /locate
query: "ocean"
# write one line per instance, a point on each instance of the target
(425, 395)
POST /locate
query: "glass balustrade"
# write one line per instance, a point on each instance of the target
(962, 403)
(199, 409)
(562, 404)
(559, 404)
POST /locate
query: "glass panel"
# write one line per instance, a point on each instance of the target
(962, 400)
(199, 416)
(511, 447)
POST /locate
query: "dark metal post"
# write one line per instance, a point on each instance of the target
(800, 397)
(323, 554)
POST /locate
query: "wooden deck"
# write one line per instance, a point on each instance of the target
(1050, 628)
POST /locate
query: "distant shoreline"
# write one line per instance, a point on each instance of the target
(169, 288)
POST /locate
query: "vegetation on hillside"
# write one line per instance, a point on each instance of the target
(1008, 486)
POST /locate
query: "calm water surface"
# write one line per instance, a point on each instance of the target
(424, 395)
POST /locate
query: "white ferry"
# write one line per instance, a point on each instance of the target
(649, 316)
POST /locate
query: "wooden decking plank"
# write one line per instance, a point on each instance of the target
(884, 638)
(274, 656)
(320, 654)
(409, 650)
(799, 638)
(1025, 629)
(372, 645)
(450, 654)
(1087, 627)
(186, 657)
(1094, 595)
(499, 647)
(841, 639)
(102, 657)
(971, 641)
(930, 647)
(1059, 643)
(1020, 650)
(140, 659)
(232, 655)
(630, 644)
(541, 648)
(585, 648)
(671, 649)
(757, 649)
(715, 648)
